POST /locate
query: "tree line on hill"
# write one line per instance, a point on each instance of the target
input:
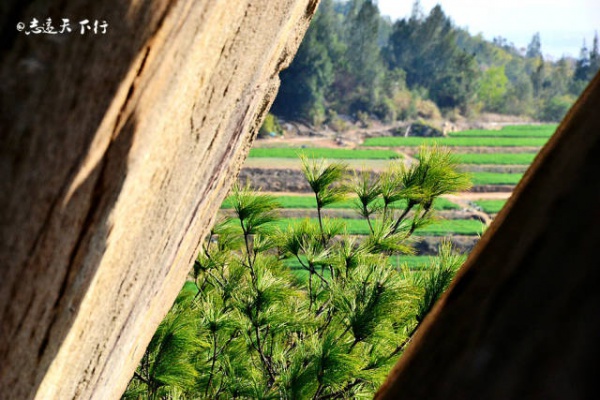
(354, 61)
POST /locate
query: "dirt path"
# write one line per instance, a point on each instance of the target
(310, 141)
(351, 138)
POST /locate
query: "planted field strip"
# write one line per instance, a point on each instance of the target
(412, 262)
(467, 227)
(343, 154)
(497, 158)
(492, 178)
(514, 131)
(491, 206)
(309, 202)
(456, 141)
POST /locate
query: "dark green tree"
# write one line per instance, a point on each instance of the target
(363, 69)
(582, 66)
(594, 57)
(427, 50)
(305, 83)
(534, 48)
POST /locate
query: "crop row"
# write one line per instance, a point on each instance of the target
(412, 262)
(496, 158)
(513, 131)
(309, 202)
(490, 206)
(478, 159)
(455, 141)
(343, 154)
(493, 178)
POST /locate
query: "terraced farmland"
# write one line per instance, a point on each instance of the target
(488, 152)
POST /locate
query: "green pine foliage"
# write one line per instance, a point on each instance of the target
(247, 325)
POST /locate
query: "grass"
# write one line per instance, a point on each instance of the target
(456, 141)
(513, 131)
(493, 178)
(490, 206)
(469, 227)
(343, 154)
(497, 158)
(307, 202)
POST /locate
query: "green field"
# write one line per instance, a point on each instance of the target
(493, 178)
(308, 202)
(456, 141)
(497, 158)
(469, 227)
(344, 154)
(490, 206)
(412, 262)
(514, 131)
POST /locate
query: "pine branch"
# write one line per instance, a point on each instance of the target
(213, 361)
(405, 342)
(141, 378)
(265, 360)
(341, 392)
(409, 207)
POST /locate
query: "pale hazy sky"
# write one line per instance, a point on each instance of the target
(562, 24)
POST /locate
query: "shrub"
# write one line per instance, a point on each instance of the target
(336, 123)
(270, 127)
(556, 108)
(428, 109)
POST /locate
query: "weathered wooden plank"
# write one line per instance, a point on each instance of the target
(116, 150)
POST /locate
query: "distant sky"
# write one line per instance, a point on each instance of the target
(562, 24)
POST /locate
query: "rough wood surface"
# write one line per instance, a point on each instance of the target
(522, 319)
(115, 152)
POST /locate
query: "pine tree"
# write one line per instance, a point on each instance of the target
(534, 49)
(304, 311)
(594, 58)
(306, 82)
(582, 66)
(363, 64)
